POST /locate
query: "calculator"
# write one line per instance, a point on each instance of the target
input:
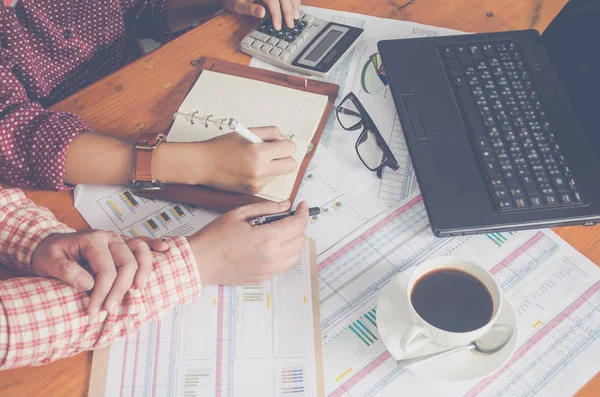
(312, 47)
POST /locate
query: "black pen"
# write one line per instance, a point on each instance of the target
(263, 220)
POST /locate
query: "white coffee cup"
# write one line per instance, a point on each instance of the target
(421, 331)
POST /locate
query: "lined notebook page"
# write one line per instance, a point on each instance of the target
(254, 104)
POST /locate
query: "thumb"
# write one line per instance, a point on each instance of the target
(250, 8)
(263, 208)
(71, 273)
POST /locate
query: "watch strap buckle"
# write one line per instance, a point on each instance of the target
(143, 178)
(154, 184)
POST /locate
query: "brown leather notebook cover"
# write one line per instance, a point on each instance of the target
(224, 201)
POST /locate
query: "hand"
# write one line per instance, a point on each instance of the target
(230, 251)
(228, 162)
(116, 261)
(290, 8)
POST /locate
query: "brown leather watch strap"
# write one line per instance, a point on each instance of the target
(144, 149)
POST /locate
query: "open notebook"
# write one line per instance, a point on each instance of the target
(216, 97)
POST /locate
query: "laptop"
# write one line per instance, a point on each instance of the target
(504, 128)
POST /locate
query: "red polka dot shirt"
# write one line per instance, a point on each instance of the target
(49, 50)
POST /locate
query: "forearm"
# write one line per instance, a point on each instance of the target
(98, 159)
(174, 4)
(42, 320)
(184, 13)
(104, 160)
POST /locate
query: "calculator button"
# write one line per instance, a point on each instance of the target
(301, 25)
(275, 52)
(282, 44)
(273, 40)
(268, 22)
(290, 37)
(266, 48)
(308, 19)
(247, 41)
(260, 36)
(285, 55)
(292, 47)
(257, 44)
(280, 34)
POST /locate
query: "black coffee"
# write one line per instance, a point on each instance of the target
(452, 300)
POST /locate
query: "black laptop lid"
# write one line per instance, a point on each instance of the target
(573, 43)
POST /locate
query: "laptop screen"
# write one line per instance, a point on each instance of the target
(572, 41)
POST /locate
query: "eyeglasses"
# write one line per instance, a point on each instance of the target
(371, 148)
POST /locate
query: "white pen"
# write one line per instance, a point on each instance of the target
(243, 131)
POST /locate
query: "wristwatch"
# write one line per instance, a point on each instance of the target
(143, 152)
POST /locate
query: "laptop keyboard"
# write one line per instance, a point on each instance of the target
(520, 156)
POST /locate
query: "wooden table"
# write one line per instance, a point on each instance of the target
(133, 100)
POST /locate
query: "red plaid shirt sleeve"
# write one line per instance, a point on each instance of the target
(23, 225)
(43, 319)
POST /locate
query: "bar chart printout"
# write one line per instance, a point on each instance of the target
(246, 341)
(554, 290)
(120, 210)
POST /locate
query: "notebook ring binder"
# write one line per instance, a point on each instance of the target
(221, 124)
(192, 117)
(225, 201)
(206, 122)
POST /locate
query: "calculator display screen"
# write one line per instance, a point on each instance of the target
(324, 45)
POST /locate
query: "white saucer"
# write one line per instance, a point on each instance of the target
(392, 322)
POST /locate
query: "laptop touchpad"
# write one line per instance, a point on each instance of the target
(431, 118)
(414, 116)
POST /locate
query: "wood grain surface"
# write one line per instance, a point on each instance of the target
(143, 95)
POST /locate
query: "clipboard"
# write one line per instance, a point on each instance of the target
(225, 201)
(99, 371)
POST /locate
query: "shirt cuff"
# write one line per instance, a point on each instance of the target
(49, 146)
(23, 227)
(182, 266)
(26, 251)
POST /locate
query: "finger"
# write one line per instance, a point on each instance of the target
(143, 256)
(279, 149)
(275, 10)
(144, 259)
(255, 10)
(127, 266)
(71, 273)
(282, 166)
(288, 12)
(267, 134)
(291, 226)
(296, 9)
(262, 208)
(155, 244)
(101, 262)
